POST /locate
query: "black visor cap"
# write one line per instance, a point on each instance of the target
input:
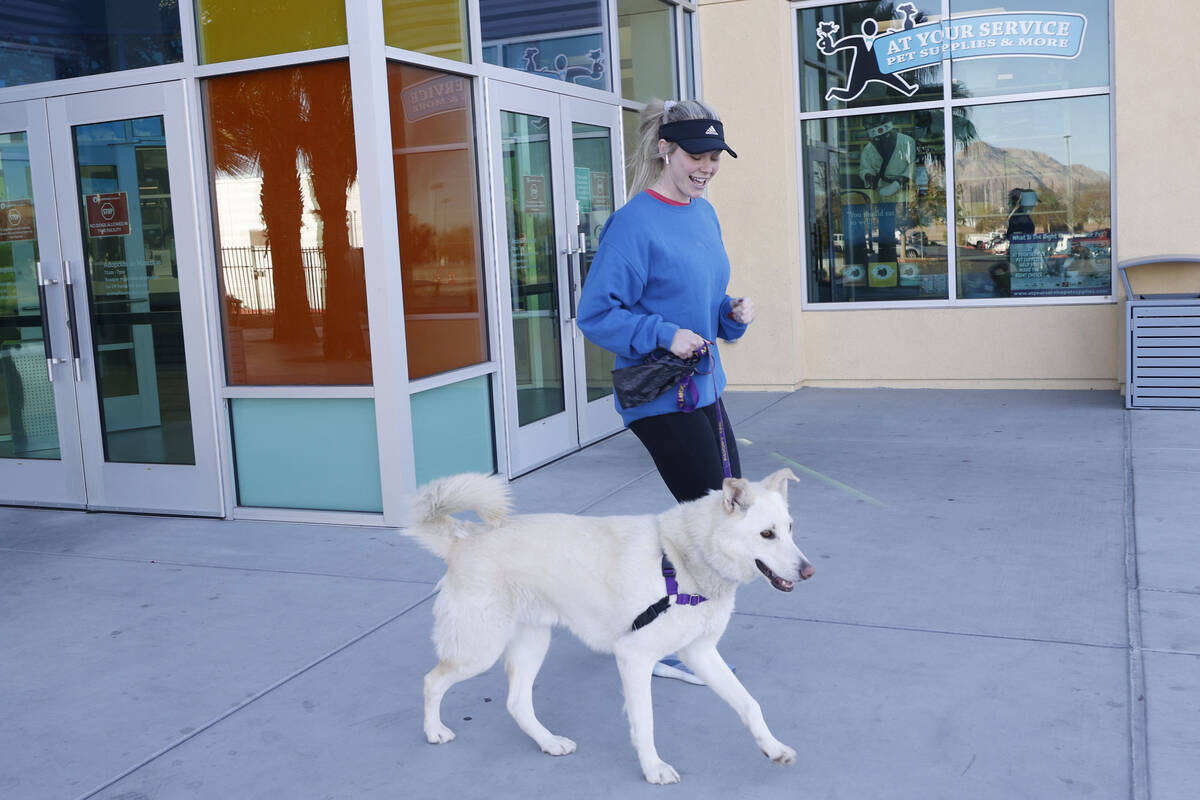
(696, 135)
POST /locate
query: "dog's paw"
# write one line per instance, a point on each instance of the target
(558, 746)
(438, 734)
(780, 754)
(661, 773)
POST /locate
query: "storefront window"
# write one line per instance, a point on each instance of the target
(565, 40)
(876, 200)
(850, 58)
(435, 27)
(1031, 178)
(437, 213)
(72, 38)
(1063, 45)
(648, 53)
(1033, 200)
(285, 185)
(233, 29)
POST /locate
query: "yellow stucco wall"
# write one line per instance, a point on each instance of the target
(746, 52)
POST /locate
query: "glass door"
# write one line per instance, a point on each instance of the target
(103, 292)
(555, 185)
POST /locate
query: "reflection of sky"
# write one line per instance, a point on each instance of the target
(1043, 125)
(986, 76)
(239, 211)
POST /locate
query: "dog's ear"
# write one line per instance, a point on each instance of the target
(736, 492)
(777, 481)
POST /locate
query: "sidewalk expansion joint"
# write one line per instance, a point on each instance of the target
(1139, 771)
(201, 565)
(937, 631)
(255, 698)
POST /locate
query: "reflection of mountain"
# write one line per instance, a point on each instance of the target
(985, 174)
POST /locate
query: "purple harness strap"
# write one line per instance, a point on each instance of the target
(681, 599)
(655, 611)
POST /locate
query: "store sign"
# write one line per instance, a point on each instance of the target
(881, 58)
(107, 214)
(16, 221)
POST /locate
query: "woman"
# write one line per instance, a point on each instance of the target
(659, 281)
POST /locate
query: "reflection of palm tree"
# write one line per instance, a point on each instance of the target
(329, 144)
(257, 117)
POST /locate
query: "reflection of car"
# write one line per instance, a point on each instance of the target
(1000, 246)
(918, 245)
(838, 242)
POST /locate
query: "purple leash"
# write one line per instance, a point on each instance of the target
(687, 395)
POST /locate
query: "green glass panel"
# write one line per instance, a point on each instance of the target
(436, 27)
(533, 266)
(629, 126)
(312, 453)
(233, 29)
(452, 430)
(28, 424)
(133, 291)
(648, 62)
(592, 146)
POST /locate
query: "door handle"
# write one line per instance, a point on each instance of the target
(571, 254)
(70, 289)
(572, 282)
(47, 340)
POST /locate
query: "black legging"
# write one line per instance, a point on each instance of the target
(686, 448)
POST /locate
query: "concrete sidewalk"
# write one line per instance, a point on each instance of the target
(1006, 607)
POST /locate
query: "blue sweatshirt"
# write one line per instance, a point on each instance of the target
(659, 268)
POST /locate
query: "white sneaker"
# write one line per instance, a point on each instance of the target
(672, 667)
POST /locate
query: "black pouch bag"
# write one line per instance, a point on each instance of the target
(658, 373)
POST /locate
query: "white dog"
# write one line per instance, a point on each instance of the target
(510, 579)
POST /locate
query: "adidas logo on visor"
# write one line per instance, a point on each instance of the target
(712, 131)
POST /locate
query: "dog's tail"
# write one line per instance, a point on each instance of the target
(432, 524)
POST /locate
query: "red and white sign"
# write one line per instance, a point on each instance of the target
(16, 221)
(108, 214)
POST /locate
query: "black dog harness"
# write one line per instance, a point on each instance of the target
(653, 612)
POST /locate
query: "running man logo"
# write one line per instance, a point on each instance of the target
(881, 57)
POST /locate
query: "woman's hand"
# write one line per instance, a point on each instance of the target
(742, 310)
(686, 342)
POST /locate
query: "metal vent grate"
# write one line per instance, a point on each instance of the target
(1164, 355)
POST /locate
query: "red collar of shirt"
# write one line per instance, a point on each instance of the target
(664, 198)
